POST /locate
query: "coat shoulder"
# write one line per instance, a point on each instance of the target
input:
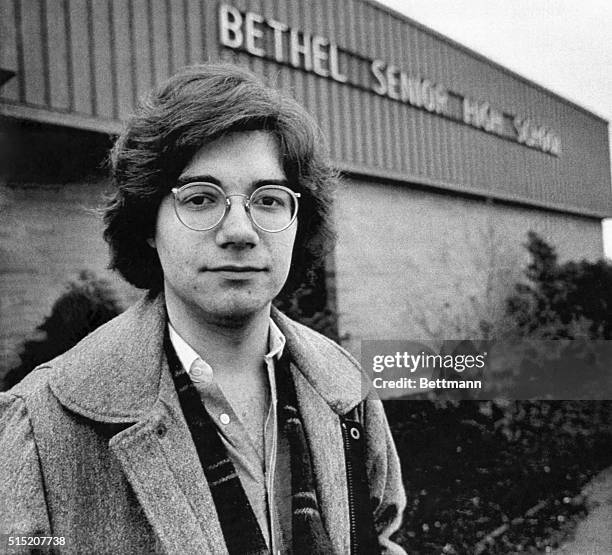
(30, 389)
(113, 374)
(87, 354)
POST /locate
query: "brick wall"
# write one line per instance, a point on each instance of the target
(413, 264)
(48, 234)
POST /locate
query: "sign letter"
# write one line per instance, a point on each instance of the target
(380, 87)
(252, 32)
(298, 48)
(319, 55)
(334, 64)
(279, 29)
(231, 26)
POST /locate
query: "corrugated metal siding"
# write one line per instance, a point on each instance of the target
(8, 49)
(90, 60)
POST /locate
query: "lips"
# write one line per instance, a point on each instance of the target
(235, 268)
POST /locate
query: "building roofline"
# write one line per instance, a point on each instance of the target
(113, 127)
(64, 119)
(483, 58)
(357, 171)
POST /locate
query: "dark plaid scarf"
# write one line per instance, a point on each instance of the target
(238, 522)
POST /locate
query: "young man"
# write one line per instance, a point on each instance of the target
(202, 420)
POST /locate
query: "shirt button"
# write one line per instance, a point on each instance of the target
(225, 419)
(200, 371)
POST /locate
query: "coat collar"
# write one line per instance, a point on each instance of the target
(118, 373)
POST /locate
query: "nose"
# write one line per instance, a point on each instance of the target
(237, 229)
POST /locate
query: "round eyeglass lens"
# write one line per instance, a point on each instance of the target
(273, 208)
(200, 206)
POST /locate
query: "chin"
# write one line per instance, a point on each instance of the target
(238, 310)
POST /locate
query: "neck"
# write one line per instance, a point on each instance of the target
(231, 347)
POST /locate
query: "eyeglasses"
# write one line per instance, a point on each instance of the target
(202, 206)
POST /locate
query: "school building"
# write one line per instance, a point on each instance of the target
(448, 158)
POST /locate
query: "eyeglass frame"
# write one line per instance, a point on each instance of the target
(246, 204)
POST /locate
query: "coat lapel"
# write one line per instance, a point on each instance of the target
(328, 383)
(324, 438)
(129, 384)
(174, 497)
(160, 462)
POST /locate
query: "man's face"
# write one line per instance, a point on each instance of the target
(204, 270)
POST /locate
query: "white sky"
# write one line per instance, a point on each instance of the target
(564, 45)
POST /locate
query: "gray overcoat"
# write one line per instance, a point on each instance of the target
(94, 446)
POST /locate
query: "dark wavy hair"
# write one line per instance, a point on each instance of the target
(191, 109)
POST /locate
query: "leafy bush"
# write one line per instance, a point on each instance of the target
(562, 301)
(309, 306)
(87, 303)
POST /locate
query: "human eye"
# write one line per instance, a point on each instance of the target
(199, 197)
(271, 199)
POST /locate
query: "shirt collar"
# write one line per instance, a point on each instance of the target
(187, 355)
(276, 341)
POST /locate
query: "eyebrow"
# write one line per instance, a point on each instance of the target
(186, 179)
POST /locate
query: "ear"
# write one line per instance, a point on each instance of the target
(151, 242)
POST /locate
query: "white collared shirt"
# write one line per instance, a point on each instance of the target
(267, 480)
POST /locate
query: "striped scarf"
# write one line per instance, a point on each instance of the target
(240, 528)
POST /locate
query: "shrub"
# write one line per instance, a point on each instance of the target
(562, 301)
(309, 306)
(323, 319)
(87, 303)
